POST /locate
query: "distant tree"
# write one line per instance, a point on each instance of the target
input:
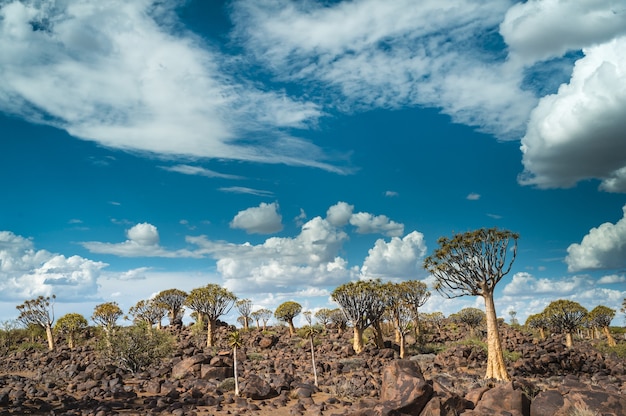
(234, 340)
(106, 315)
(338, 319)
(472, 263)
(263, 315)
(472, 317)
(601, 317)
(309, 332)
(434, 319)
(148, 311)
(565, 316)
(416, 294)
(71, 325)
(324, 316)
(513, 315)
(401, 313)
(244, 306)
(172, 300)
(286, 311)
(362, 304)
(39, 312)
(211, 301)
(538, 321)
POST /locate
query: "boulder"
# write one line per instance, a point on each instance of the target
(403, 388)
(503, 399)
(254, 387)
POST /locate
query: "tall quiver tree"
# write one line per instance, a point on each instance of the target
(211, 301)
(472, 263)
(416, 294)
(148, 312)
(286, 311)
(39, 312)
(244, 306)
(106, 315)
(565, 316)
(362, 303)
(71, 325)
(172, 300)
(601, 317)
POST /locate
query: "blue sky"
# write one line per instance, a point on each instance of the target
(282, 148)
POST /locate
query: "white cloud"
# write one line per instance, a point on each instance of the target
(578, 133)
(392, 54)
(244, 190)
(543, 29)
(143, 241)
(26, 273)
(473, 196)
(123, 74)
(603, 247)
(339, 214)
(263, 219)
(196, 170)
(398, 258)
(391, 194)
(366, 223)
(612, 279)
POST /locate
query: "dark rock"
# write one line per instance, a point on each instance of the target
(256, 388)
(403, 388)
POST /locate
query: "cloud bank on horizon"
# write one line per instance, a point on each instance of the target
(128, 76)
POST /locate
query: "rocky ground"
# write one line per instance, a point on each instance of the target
(276, 378)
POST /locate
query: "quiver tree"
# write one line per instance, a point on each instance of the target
(211, 301)
(338, 319)
(234, 340)
(471, 317)
(106, 315)
(434, 320)
(244, 306)
(39, 312)
(539, 322)
(362, 303)
(309, 331)
(400, 312)
(416, 294)
(172, 300)
(472, 263)
(148, 311)
(601, 317)
(565, 316)
(324, 316)
(286, 312)
(263, 315)
(71, 325)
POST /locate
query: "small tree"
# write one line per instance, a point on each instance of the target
(39, 312)
(211, 301)
(148, 311)
(244, 306)
(472, 317)
(310, 331)
(538, 321)
(434, 319)
(234, 340)
(416, 294)
(172, 300)
(473, 263)
(601, 317)
(401, 313)
(513, 316)
(324, 316)
(565, 316)
(138, 346)
(286, 312)
(106, 315)
(362, 303)
(71, 325)
(338, 319)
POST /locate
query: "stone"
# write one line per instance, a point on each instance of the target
(256, 388)
(403, 388)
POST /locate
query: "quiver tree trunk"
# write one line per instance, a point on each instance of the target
(210, 333)
(609, 338)
(357, 342)
(378, 334)
(292, 329)
(496, 367)
(50, 337)
(569, 340)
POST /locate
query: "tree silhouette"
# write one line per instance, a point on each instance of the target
(565, 316)
(172, 300)
(601, 317)
(244, 306)
(39, 312)
(71, 325)
(286, 312)
(211, 301)
(363, 304)
(472, 263)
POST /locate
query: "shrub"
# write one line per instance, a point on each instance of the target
(136, 347)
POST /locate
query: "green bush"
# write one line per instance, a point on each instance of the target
(136, 347)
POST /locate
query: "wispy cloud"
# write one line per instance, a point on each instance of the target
(473, 197)
(196, 170)
(244, 190)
